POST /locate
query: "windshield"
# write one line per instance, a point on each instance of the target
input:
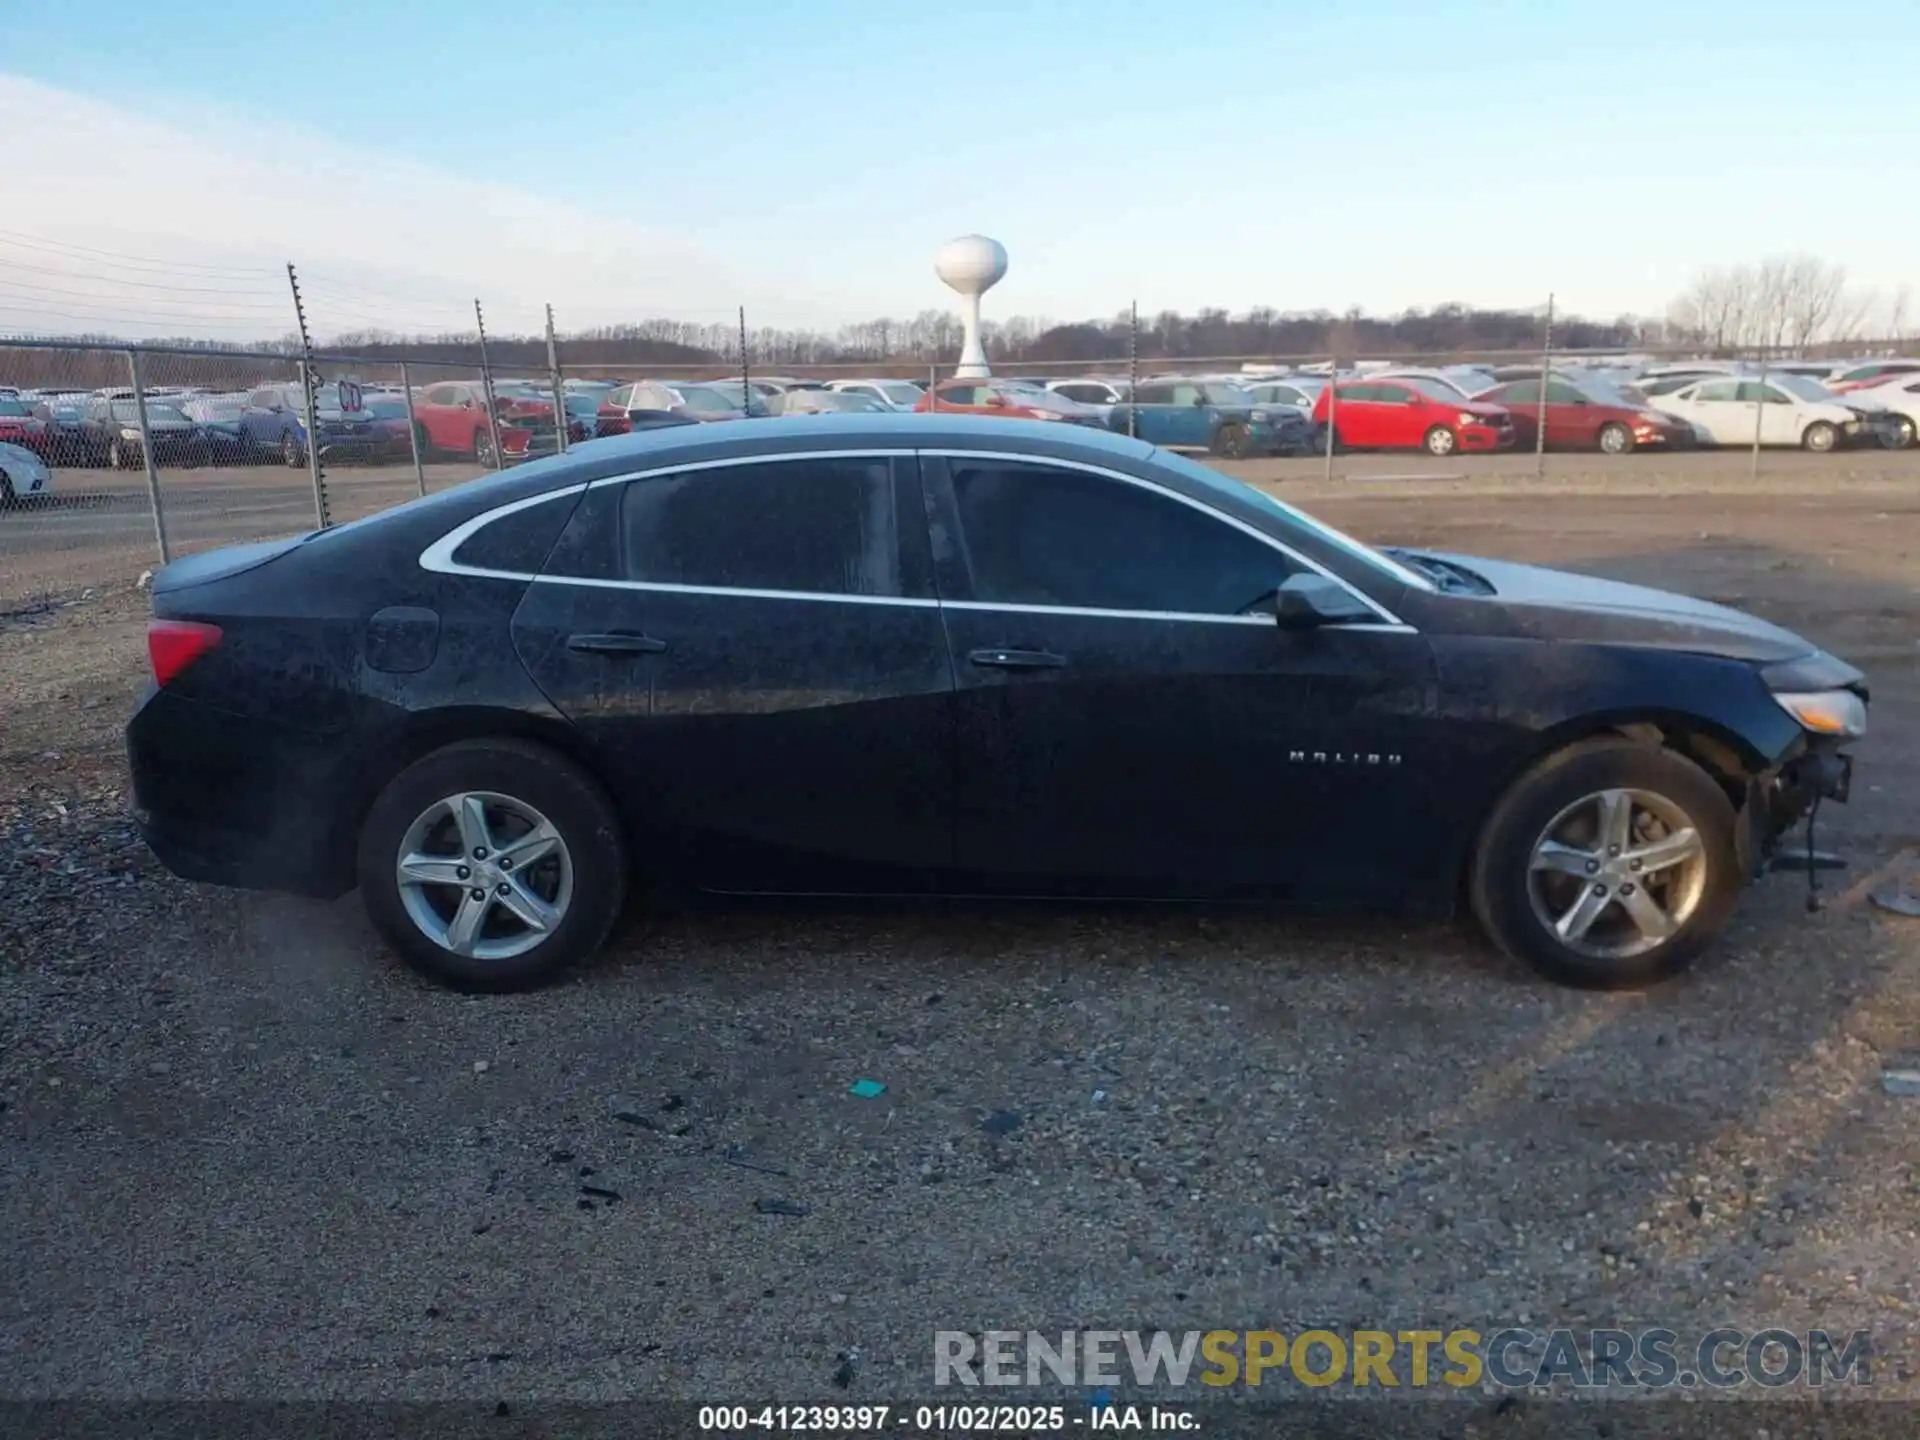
(387, 409)
(704, 399)
(1434, 388)
(1801, 387)
(902, 392)
(216, 409)
(1212, 480)
(127, 410)
(1219, 392)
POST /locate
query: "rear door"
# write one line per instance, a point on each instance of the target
(755, 651)
(1401, 416)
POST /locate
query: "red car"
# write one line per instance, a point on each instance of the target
(452, 418)
(1412, 414)
(1585, 416)
(1874, 372)
(1005, 399)
(20, 426)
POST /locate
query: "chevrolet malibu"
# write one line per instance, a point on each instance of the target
(949, 655)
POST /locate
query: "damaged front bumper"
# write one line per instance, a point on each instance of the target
(1780, 799)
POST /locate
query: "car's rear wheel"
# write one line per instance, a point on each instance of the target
(1615, 438)
(1820, 437)
(422, 446)
(492, 865)
(1440, 440)
(1611, 863)
(117, 457)
(290, 455)
(1230, 442)
(1903, 433)
(483, 448)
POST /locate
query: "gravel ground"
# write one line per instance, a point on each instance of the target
(243, 1155)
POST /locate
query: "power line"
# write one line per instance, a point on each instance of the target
(139, 284)
(61, 247)
(95, 297)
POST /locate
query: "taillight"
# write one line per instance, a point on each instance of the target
(173, 645)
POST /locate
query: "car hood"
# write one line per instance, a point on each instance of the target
(1549, 604)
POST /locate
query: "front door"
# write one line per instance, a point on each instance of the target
(755, 651)
(1717, 406)
(1780, 417)
(1132, 721)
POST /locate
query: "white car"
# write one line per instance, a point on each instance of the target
(1900, 395)
(22, 473)
(1302, 392)
(1788, 410)
(892, 394)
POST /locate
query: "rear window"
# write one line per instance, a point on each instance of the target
(518, 543)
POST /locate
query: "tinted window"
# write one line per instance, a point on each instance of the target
(1154, 395)
(1718, 390)
(1755, 390)
(1357, 394)
(1393, 394)
(1039, 536)
(517, 543)
(13, 407)
(1561, 393)
(819, 527)
(439, 395)
(1520, 392)
(1089, 394)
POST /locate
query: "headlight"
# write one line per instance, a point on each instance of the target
(1467, 417)
(1046, 415)
(128, 432)
(1827, 712)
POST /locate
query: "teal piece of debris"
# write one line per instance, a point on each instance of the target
(866, 1089)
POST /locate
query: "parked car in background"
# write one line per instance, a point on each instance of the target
(19, 425)
(23, 474)
(392, 432)
(115, 428)
(1438, 381)
(826, 402)
(222, 418)
(650, 404)
(275, 421)
(1872, 372)
(452, 419)
(1586, 415)
(1369, 414)
(1206, 415)
(1095, 390)
(767, 386)
(1299, 391)
(745, 398)
(1782, 410)
(69, 439)
(1901, 398)
(892, 394)
(1008, 400)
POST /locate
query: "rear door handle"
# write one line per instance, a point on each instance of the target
(618, 642)
(998, 659)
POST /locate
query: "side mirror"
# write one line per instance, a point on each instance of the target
(1309, 600)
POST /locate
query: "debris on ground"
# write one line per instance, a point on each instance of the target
(867, 1089)
(1899, 899)
(774, 1205)
(1900, 1082)
(1002, 1122)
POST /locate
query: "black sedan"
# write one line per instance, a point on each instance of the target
(926, 654)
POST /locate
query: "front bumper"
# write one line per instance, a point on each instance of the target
(1485, 437)
(1780, 799)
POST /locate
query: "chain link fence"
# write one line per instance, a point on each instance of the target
(115, 459)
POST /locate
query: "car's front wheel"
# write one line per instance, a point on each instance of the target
(1230, 441)
(1820, 437)
(1611, 863)
(1903, 434)
(493, 865)
(1615, 438)
(1441, 441)
(290, 452)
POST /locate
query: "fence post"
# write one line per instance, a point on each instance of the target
(562, 422)
(486, 386)
(146, 455)
(1540, 419)
(746, 369)
(413, 429)
(1759, 418)
(1133, 367)
(1333, 404)
(309, 383)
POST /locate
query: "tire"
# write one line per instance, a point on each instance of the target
(7, 497)
(1517, 903)
(423, 446)
(1820, 437)
(1616, 439)
(583, 880)
(290, 455)
(117, 457)
(1903, 434)
(1230, 442)
(483, 449)
(1440, 441)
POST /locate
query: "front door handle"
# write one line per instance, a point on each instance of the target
(618, 642)
(998, 659)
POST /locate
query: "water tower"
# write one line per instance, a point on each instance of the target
(971, 266)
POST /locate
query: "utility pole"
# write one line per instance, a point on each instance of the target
(310, 386)
(561, 420)
(486, 385)
(1540, 423)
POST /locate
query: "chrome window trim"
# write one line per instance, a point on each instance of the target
(438, 559)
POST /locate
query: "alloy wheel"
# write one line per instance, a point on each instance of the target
(1617, 873)
(484, 875)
